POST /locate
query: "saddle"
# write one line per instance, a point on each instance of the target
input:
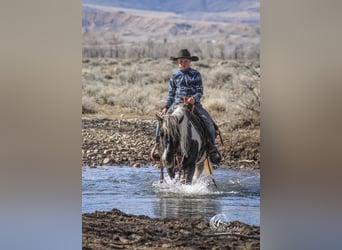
(196, 116)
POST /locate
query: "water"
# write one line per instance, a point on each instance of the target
(138, 191)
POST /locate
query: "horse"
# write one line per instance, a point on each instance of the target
(183, 145)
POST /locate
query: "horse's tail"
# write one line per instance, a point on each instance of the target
(209, 169)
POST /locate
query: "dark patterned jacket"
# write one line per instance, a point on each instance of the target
(184, 83)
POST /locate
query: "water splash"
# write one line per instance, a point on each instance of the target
(202, 186)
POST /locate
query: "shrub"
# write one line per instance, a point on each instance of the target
(215, 105)
(231, 89)
(88, 105)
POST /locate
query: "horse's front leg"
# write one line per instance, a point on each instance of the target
(189, 170)
(171, 172)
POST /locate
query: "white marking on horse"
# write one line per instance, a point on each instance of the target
(179, 113)
(163, 158)
(196, 136)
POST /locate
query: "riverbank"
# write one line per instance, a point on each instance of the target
(115, 141)
(117, 230)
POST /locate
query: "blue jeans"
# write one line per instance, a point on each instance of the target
(204, 115)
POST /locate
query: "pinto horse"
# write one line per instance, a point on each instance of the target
(183, 145)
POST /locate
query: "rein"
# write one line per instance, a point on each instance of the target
(190, 106)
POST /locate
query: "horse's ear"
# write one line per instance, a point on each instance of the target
(180, 119)
(159, 118)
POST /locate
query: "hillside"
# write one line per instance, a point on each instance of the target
(108, 26)
(130, 22)
(181, 6)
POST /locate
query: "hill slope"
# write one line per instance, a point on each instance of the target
(181, 6)
(136, 26)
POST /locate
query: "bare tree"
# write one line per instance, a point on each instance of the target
(221, 48)
(114, 42)
(251, 92)
(150, 45)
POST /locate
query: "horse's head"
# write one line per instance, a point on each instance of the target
(170, 139)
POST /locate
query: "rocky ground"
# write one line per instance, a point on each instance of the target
(129, 141)
(115, 141)
(117, 230)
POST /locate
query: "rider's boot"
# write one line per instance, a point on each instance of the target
(155, 154)
(214, 155)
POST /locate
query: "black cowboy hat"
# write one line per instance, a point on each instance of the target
(184, 53)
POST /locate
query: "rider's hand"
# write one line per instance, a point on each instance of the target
(191, 100)
(163, 112)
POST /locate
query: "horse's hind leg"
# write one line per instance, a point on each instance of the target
(198, 170)
(161, 174)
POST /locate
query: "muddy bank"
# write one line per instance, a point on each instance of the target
(117, 230)
(129, 141)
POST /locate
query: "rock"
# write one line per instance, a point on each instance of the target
(106, 161)
(137, 165)
(106, 152)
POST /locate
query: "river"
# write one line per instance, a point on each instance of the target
(138, 191)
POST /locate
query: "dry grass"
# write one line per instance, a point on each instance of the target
(140, 87)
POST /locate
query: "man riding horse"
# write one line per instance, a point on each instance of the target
(186, 84)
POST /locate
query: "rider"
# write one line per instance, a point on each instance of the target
(187, 82)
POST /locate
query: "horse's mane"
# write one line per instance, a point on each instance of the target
(171, 124)
(180, 131)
